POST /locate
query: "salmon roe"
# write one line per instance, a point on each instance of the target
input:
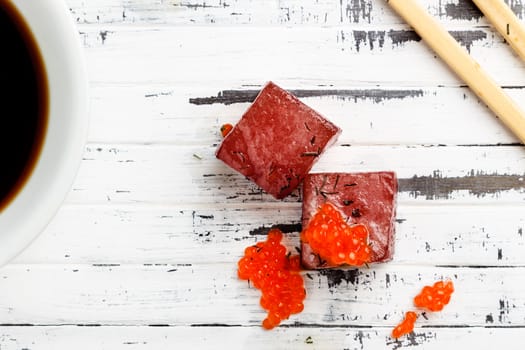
(435, 297)
(406, 326)
(225, 129)
(276, 274)
(334, 240)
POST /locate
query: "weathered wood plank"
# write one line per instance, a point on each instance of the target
(145, 238)
(130, 337)
(150, 114)
(445, 235)
(269, 12)
(210, 293)
(229, 58)
(165, 174)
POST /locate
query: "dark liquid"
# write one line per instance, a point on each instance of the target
(24, 102)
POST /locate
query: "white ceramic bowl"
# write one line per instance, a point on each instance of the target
(51, 179)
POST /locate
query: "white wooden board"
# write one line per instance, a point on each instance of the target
(142, 254)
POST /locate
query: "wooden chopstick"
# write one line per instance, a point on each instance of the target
(462, 64)
(506, 23)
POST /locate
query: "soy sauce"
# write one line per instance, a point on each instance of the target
(24, 102)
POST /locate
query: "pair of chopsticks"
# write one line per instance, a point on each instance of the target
(463, 64)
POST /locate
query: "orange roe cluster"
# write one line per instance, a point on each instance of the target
(406, 326)
(334, 240)
(433, 298)
(436, 297)
(276, 274)
(225, 129)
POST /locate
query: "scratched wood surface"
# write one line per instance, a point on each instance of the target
(142, 253)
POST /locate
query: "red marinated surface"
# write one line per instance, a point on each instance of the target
(277, 141)
(364, 198)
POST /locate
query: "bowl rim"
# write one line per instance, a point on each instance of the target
(38, 201)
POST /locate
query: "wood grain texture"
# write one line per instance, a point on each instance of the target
(142, 254)
(152, 114)
(271, 12)
(506, 22)
(309, 56)
(203, 294)
(209, 337)
(463, 65)
(171, 235)
(193, 174)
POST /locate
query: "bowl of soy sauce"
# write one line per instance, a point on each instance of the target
(43, 116)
